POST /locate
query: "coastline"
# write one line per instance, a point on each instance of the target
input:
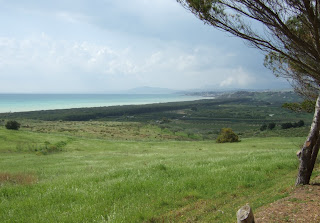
(13, 103)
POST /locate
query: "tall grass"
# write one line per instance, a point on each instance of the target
(95, 180)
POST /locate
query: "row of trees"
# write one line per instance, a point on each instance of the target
(290, 39)
(269, 126)
(289, 125)
(286, 125)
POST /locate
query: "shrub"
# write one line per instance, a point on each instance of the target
(14, 125)
(263, 127)
(49, 148)
(227, 135)
(295, 125)
(165, 120)
(292, 125)
(287, 125)
(300, 123)
(194, 109)
(271, 125)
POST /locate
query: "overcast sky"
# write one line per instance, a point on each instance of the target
(97, 46)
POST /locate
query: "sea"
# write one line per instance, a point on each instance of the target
(36, 102)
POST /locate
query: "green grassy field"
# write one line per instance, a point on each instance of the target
(91, 179)
(149, 163)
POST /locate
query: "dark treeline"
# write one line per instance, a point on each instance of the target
(100, 113)
(241, 111)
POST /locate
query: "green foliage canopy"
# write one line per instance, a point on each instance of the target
(271, 125)
(263, 127)
(14, 125)
(227, 135)
(305, 106)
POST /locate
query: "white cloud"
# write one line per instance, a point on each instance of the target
(43, 53)
(237, 78)
(44, 64)
(81, 64)
(71, 17)
(115, 45)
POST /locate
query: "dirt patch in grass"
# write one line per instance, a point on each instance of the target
(18, 178)
(192, 212)
(303, 205)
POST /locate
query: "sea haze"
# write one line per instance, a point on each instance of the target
(34, 102)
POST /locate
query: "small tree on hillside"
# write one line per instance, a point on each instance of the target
(286, 125)
(14, 125)
(300, 123)
(227, 135)
(263, 127)
(271, 125)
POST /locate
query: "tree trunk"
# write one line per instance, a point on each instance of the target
(310, 149)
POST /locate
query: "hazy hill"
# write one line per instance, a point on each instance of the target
(150, 90)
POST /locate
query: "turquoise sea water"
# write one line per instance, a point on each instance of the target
(34, 102)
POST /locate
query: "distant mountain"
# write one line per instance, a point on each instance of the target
(150, 90)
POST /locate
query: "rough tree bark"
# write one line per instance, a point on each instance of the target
(310, 149)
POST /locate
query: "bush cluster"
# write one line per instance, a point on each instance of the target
(263, 127)
(14, 125)
(227, 135)
(289, 125)
(269, 126)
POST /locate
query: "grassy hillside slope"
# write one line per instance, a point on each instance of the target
(51, 177)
